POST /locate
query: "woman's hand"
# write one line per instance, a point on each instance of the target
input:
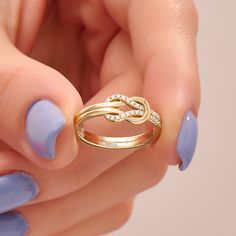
(54, 54)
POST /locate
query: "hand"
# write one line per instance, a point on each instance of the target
(54, 54)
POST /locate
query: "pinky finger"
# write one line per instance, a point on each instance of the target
(102, 223)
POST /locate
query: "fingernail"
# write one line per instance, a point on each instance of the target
(44, 122)
(187, 139)
(12, 224)
(16, 189)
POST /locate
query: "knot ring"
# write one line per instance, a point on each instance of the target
(111, 110)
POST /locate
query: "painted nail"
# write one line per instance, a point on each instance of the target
(12, 224)
(16, 189)
(187, 139)
(44, 122)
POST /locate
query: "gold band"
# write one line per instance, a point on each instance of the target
(110, 109)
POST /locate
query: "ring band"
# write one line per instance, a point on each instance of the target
(140, 113)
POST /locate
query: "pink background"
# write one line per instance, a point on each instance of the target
(202, 200)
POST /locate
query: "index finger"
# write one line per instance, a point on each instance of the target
(163, 35)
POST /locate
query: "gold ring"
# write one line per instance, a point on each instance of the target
(140, 113)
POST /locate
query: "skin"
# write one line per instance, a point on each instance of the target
(85, 50)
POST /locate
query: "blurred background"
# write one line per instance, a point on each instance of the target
(202, 200)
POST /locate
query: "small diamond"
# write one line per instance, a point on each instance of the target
(132, 103)
(123, 97)
(128, 113)
(122, 115)
(112, 117)
(117, 117)
(132, 112)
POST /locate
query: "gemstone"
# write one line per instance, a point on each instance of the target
(122, 115)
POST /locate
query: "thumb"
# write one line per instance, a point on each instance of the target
(38, 106)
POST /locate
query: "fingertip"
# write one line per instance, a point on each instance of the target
(50, 134)
(38, 105)
(178, 139)
(44, 122)
(50, 139)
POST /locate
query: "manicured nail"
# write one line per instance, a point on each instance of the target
(44, 122)
(12, 224)
(16, 189)
(187, 139)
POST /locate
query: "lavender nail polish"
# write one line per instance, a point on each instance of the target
(187, 139)
(12, 224)
(44, 122)
(16, 189)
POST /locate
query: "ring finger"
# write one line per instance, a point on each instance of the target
(123, 181)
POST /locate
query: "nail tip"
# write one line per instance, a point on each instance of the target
(183, 167)
(187, 140)
(16, 189)
(13, 223)
(24, 223)
(52, 139)
(32, 185)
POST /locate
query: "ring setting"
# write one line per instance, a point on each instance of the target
(139, 113)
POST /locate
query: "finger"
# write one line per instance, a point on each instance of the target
(163, 38)
(91, 161)
(39, 106)
(123, 181)
(12, 223)
(102, 223)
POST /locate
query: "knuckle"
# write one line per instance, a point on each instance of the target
(153, 170)
(7, 77)
(82, 172)
(121, 214)
(9, 87)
